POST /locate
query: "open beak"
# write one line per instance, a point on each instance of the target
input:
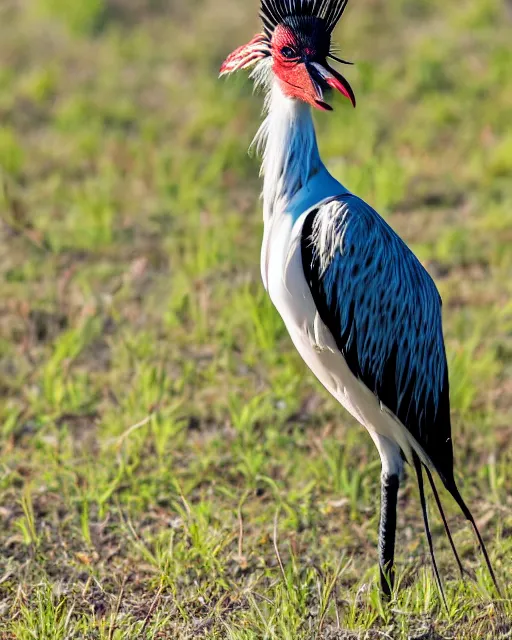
(322, 74)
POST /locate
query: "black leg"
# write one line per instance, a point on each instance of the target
(387, 529)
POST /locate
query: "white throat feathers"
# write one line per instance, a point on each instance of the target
(287, 142)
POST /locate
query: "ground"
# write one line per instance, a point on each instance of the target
(168, 467)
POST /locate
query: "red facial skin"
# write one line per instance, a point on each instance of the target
(293, 75)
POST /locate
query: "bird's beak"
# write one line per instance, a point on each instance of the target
(323, 73)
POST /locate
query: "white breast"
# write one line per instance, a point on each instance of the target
(296, 180)
(292, 298)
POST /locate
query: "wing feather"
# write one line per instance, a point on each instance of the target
(384, 312)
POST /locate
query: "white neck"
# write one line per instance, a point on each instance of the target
(290, 156)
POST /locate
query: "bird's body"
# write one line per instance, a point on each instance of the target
(360, 308)
(288, 209)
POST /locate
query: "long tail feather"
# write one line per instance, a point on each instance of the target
(419, 475)
(454, 491)
(445, 523)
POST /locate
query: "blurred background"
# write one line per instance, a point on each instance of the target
(168, 467)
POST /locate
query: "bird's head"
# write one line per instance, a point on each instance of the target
(296, 39)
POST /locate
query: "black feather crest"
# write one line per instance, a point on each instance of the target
(275, 12)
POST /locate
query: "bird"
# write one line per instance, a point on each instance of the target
(360, 308)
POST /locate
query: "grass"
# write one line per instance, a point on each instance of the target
(168, 467)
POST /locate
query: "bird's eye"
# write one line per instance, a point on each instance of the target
(288, 52)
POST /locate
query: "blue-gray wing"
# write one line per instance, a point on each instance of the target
(384, 312)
